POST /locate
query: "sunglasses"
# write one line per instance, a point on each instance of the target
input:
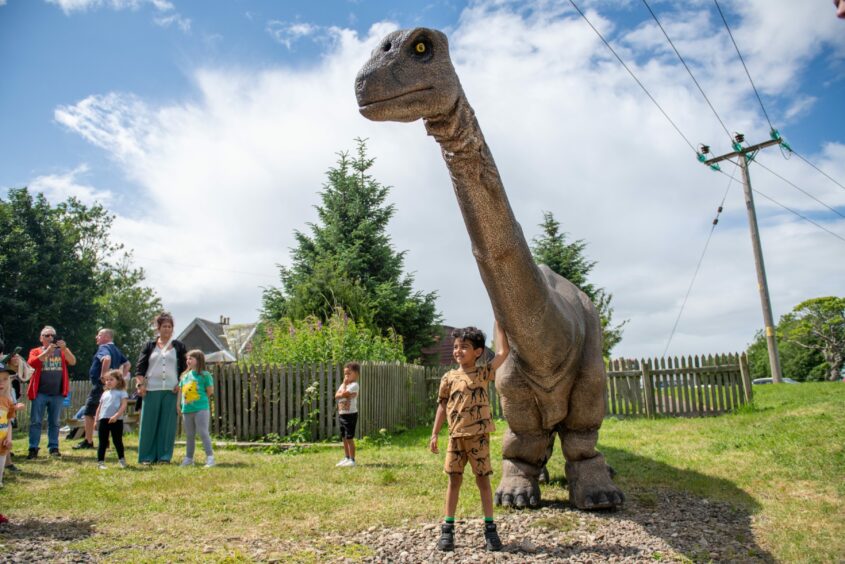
(51, 335)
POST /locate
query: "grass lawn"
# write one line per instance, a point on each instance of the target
(780, 461)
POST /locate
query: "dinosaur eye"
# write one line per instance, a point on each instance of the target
(421, 49)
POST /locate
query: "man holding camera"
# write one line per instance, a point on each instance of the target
(47, 389)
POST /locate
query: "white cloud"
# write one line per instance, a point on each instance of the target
(2, 2)
(226, 177)
(181, 22)
(60, 187)
(163, 7)
(288, 33)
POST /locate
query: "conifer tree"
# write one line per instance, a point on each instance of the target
(567, 259)
(347, 261)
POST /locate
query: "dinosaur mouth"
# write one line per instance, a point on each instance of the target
(370, 103)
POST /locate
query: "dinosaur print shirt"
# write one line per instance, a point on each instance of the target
(467, 403)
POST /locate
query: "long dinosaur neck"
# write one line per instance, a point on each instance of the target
(517, 289)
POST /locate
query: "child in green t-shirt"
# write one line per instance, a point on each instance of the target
(196, 386)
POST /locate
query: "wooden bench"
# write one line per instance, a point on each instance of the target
(130, 418)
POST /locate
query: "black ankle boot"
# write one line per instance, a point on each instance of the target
(447, 537)
(491, 536)
(33, 454)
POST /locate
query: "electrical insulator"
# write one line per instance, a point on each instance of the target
(715, 221)
(720, 209)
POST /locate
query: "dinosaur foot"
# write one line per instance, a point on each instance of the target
(519, 487)
(591, 486)
(543, 478)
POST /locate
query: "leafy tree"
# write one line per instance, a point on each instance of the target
(811, 341)
(126, 306)
(348, 262)
(56, 269)
(567, 259)
(335, 341)
(796, 362)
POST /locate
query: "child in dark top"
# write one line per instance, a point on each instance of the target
(462, 398)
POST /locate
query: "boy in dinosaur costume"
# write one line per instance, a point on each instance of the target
(553, 382)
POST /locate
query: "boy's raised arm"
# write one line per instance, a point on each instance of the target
(502, 346)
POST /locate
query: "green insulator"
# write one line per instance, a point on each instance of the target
(701, 157)
(774, 134)
(715, 166)
(737, 147)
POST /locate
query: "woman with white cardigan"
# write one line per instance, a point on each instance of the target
(160, 364)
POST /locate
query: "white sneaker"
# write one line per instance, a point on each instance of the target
(101, 466)
(209, 462)
(122, 463)
(342, 462)
(187, 461)
(350, 464)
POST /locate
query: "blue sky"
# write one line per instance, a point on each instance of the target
(207, 128)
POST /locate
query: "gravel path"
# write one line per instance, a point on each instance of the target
(663, 526)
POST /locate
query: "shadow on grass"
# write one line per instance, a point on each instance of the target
(40, 531)
(703, 517)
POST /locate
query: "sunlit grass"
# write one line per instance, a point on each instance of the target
(781, 460)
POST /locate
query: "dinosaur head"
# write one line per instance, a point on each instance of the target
(409, 76)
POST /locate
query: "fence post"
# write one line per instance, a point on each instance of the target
(746, 378)
(647, 389)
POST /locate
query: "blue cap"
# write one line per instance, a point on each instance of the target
(4, 368)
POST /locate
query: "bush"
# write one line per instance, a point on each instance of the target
(338, 340)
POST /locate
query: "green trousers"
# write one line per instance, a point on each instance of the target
(158, 427)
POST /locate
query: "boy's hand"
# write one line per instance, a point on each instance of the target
(7, 441)
(432, 445)
(113, 419)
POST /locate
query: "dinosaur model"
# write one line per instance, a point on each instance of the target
(553, 382)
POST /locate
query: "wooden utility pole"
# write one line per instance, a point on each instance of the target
(746, 154)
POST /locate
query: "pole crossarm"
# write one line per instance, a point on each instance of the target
(744, 151)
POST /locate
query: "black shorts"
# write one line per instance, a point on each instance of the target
(93, 401)
(348, 422)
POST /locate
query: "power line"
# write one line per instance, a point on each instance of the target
(790, 210)
(759, 99)
(683, 62)
(700, 260)
(837, 212)
(818, 169)
(618, 58)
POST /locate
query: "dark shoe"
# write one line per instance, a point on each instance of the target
(83, 445)
(491, 536)
(54, 452)
(13, 469)
(33, 454)
(447, 537)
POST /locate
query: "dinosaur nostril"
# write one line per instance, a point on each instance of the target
(386, 46)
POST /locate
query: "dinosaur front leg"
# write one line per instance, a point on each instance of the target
(524, 457)
(525, 448)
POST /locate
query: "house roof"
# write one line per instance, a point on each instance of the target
(214, 331)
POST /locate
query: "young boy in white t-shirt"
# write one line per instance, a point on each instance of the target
(347, 411)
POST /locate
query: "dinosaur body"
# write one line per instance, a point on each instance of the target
(553, 382)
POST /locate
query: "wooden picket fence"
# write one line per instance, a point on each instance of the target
(686, 386)
(251, 402)
(256, 401)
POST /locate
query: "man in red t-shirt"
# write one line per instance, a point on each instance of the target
(47, 389)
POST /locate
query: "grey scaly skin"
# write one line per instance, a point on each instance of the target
(553, 382)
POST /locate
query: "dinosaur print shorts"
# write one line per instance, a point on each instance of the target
(474, 449)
